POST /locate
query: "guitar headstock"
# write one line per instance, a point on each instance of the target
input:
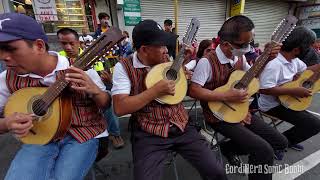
(284, 29)
(99, 47)
(191, 32)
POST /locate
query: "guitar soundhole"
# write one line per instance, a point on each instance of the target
(240, 86)
(171, 74)
(307, 84)
(39, 107)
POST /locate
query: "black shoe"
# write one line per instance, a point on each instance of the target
(278, 155)
(297, 147)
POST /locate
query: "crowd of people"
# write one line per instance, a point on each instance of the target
(100, 96)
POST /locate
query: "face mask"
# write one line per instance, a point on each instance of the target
(240, 52)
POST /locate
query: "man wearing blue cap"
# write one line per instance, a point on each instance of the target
(24, 49)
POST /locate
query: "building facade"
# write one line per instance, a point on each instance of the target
(79, 14)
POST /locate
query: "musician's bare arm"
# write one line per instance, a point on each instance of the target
(124, 104)
(278, 91)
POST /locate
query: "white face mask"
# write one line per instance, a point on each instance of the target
(240, 52)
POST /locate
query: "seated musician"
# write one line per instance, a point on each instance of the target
(69, 41)
(159, 128)
(24, 49)
(281, 70)
(252, 136)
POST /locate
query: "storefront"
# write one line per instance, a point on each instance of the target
(309, 16)
(266, 15)
(76, 14)
(210, 13)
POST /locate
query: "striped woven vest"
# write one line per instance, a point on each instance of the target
(220, 76)
(154, 118)
(87, 120)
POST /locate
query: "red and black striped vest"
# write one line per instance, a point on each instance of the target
(87, 120)
(154, 118)
(220, 76)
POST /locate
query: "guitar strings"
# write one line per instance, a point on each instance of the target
(58, 87)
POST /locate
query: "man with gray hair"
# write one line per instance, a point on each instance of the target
(307, 38)
(283, 69)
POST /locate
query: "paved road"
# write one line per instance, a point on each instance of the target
(119, 163)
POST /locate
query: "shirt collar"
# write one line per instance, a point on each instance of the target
(62, 64)
(222, 57)
(282, 59)
(137, 63)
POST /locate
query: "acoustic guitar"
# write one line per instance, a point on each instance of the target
(50, 105)
(309, 80)
(235, 112)
(173, 70)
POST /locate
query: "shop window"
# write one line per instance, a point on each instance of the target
(75, 14)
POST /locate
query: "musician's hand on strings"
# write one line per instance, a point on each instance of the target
(235, 95)
(19, 124)
(80, 81)
(165, 87)
(301, 92)
(274, 51)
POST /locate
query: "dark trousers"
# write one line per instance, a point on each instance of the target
(305, 124)
(151, 151)
(258, 139)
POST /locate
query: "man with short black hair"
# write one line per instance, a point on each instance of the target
(71, 49)
(173, 43)
(252, 136)
(104, 25)
(69, 41)
(168, 25)
(29, 64)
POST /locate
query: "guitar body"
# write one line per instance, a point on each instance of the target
(238, 111)
(50, 127)
(158, 73)
(295, 103)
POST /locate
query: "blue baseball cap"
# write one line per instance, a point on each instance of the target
(14, 26)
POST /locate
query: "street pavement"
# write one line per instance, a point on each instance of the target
(118, 164)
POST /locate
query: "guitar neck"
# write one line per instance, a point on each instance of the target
(257, 67)
(92, 54)
(177, 63)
